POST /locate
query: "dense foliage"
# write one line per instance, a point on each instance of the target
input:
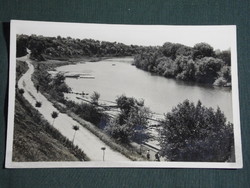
(196, 133)
(199, 64)
(52, 47)
(131, 123)
(88, 112)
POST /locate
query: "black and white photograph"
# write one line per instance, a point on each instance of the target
(109, 95)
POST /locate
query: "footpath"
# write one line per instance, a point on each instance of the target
(84, 139)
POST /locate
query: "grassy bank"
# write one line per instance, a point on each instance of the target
(21, 68)
(34, 138)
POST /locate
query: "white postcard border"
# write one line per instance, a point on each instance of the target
(10, 129)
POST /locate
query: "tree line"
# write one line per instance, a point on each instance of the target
(52, 47)
(199, 64)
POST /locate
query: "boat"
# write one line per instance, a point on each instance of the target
(87, 76)
(72, 76)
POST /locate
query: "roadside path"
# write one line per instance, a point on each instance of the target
(88, 142)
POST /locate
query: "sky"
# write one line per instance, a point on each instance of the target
(219, 37)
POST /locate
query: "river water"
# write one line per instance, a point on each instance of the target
(114, 77)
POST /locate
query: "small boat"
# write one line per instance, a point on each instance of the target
(72, 76)
(87, 76)
(113, 64)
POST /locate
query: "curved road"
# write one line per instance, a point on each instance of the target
(88, 142)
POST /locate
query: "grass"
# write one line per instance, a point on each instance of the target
(21, 68)
(36, 140)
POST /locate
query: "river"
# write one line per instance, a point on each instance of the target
(114, 77)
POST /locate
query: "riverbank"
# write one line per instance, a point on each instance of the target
(128, 152)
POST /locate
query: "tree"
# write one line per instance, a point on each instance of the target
(202, 50)
(125, 104)
(184, 51)
(138, 121)
(58, 79)
(196, 133)
(76, 128)
(21, 45)
(225, 56)
(166, 67)
(226, 73)
(37, 46)
(131, 124)
(54, 115)
(224, 77)
(187, 68)
(207, 69)
(118, 131)
(170, 49)
(95, 98)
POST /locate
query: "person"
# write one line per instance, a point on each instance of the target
(148, 155)
(157, 157)
(37, 88)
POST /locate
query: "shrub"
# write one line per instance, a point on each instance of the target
(21, 91)
(220, 82)
(38, 104)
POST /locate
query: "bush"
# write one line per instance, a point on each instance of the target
(89, 112)
(196, 133)
(220, 82)
(21, 91)
(38, 104)
(119, 132)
